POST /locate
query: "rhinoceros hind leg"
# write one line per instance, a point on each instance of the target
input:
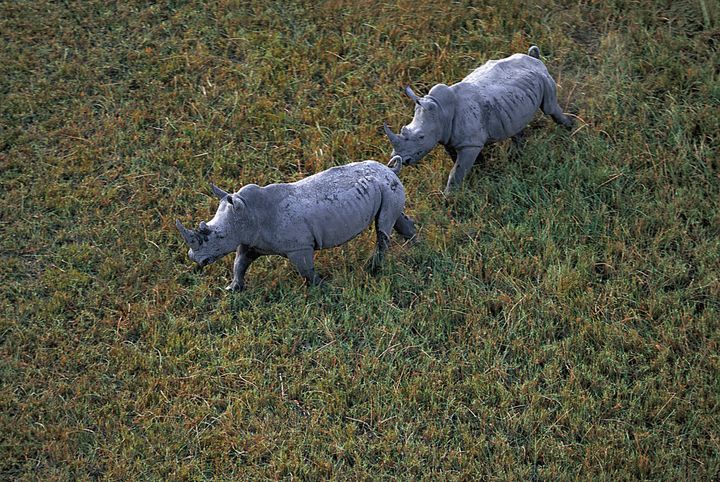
(551, 107)
(405, 227)
(383, 241)
(561, 118)
(303, 262)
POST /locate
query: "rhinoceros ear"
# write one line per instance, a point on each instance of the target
(409, 92)
(237, 202)
(219, 193)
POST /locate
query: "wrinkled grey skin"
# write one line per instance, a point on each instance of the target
(494, 102)
(295, 219)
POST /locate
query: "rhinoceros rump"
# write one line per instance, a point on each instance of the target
(295, 219)
(494, 102)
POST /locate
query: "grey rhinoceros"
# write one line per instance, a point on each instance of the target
(295, 219)
(494, 102)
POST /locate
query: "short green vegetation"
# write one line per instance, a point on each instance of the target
(558, 318)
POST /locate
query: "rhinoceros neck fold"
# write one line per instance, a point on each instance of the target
(448, 115)
(247, 222)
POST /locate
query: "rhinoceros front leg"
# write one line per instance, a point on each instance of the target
(243, 258)
(465, 159)
(518, 142)
(451, 152)
(303, 262)
(518, 139)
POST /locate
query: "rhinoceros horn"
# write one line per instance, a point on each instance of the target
(219, 193)
(394, 138)
(188, 235)
(412, 95)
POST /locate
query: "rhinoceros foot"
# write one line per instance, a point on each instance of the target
(235, 286)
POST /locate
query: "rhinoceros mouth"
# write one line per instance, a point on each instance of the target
(201, 263)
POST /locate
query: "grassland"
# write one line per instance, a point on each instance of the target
(558, 319)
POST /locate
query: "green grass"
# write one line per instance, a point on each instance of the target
(558, 319)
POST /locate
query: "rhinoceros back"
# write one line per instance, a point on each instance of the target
(338, 204)
(507, 91)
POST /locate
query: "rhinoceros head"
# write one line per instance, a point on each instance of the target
(221, 235)
(430, 125)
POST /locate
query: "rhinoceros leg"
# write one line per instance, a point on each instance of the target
(384, 223)
(518, 139)
(243, 258)
(451, 152)
(518, 142)
(303, 262)
(556, 113)
(551, 107)
(383, 242)
(405, 227)
(465, 159)
(453, 155)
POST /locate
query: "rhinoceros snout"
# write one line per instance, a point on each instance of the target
(199, 261)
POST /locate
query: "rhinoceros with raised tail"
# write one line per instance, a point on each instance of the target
(295, 219)
(494, 102)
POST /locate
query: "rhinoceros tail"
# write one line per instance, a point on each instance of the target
(534, 51)
(395, 164)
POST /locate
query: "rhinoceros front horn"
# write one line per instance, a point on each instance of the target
(394, 138)
(187, 234)
(219, 193)
(409, 92)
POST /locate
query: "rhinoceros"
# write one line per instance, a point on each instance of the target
(494, 102)
(294, 219)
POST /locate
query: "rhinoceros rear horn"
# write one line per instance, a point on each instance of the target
(219, 193)
(409, 92)
(391, 135)
(188, 235)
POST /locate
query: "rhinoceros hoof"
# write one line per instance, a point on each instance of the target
(413, 240)
(235, 286)
(374, 264)
(450, 192)
(319, 283)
